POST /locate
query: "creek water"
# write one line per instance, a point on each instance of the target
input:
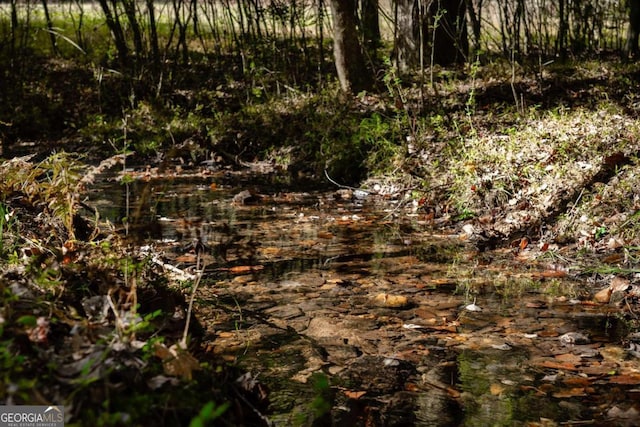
(346, 308)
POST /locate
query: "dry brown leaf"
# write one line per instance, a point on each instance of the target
(524, 242)
(619, 284)
(551, 274)
(242, 269)
(355, 395)
(577, 382)
(177, 362)
(392, 301)
(325, 235)
(603, 296)
(558, 365)
(572, 392)
(496, 389)
(628, 379)
(568, 358)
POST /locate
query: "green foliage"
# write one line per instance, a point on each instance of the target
(209, 412)
(321, 404)
(7, 234)
(379, 138)
(52, 185)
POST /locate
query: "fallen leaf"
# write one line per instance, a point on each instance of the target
(628, 379)
(242, 269)
(603, 296)
(572, 392)
(177, 362)
(577, 382)
(619, 284)
(568, 358)
(392, 301)
(355, 395)
(411, 387)
(550, 274)
(558, 365)
(325, 235)
(496, 389)
(524, 242)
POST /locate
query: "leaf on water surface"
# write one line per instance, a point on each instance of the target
(243, 269)
(270, 251)
(325, 235)
(625, 379)
(355, 395)
(599, 369)
(577, 382)
(568, 358)
(564, 366)
(571, 392)
(391, 301)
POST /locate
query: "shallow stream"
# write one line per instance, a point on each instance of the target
(353, 309)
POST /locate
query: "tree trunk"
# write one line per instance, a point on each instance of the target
(130, 11)
(370, 23)
(475, 15)
(153, 35)
(407, 43)
(450, 38)
(116, 30)
(352, 72)
(52, 36)
(634, 28)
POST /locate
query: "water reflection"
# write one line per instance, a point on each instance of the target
(317, 305)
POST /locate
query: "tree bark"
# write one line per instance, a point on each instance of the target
(116, 30)
(407, 43)
(349, 59)
(370, 23)
(634, 28)
(451, 41)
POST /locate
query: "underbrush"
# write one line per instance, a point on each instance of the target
(84, 316)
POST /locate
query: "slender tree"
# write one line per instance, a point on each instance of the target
(347, 51)
(370, 24)
(408, 43)
(634, 28)
(449, 26)
(111, 16)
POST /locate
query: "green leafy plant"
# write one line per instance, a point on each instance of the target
(209, 412)
(7, 224)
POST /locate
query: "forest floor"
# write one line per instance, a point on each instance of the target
(542, 167)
